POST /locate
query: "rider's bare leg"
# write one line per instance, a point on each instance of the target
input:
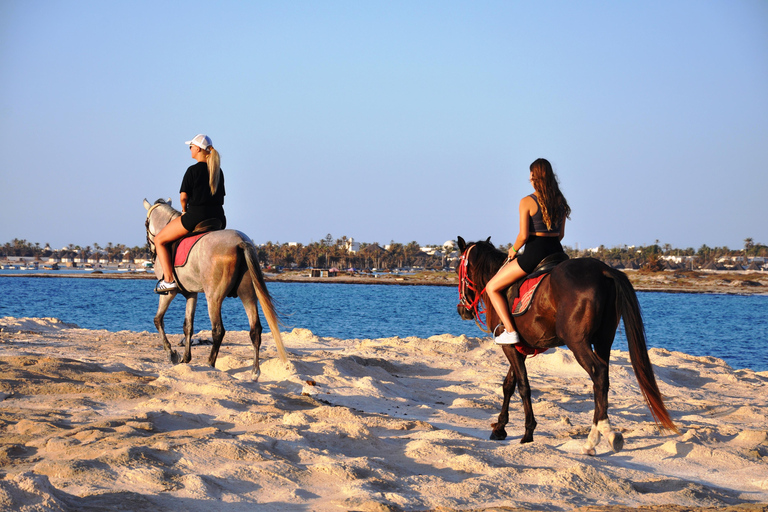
(172, 231)
(508, 274)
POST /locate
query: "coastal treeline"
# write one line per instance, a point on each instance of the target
(112, 252)
(343, 253)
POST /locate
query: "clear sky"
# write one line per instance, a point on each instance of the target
(413, 120)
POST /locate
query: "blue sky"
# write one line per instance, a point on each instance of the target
(388, 120)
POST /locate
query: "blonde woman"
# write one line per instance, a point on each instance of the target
(542, 227)
(202, 197)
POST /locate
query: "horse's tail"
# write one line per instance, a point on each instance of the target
(263, 295)
(629, 308)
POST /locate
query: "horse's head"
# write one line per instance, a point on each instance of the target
(158, 216)
(479, 262)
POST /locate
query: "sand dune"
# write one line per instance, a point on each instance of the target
(94, 420)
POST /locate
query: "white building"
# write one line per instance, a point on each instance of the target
(352, 246)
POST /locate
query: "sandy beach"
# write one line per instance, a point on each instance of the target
(95, 420)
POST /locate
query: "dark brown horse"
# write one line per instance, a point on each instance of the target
(578, 305)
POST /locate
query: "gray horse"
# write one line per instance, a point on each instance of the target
(222, 263)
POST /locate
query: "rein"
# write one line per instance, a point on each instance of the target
(466, 283)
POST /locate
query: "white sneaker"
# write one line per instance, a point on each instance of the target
(164, 286)
(507, 338)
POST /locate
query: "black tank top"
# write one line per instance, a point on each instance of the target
(536, 221)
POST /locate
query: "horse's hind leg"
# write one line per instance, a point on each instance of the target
(217, 327)
(248, 296)
(597, 368)
(165, 301)
(602, 348)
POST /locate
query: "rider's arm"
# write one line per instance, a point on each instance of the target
(522, 236)
(183, 197)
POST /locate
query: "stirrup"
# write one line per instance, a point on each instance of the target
(162, 287)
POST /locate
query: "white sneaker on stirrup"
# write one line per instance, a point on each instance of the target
(162, 287)
(507, 338)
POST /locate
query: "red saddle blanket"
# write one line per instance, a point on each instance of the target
(185, 246)
(521, 304)
(527, 290)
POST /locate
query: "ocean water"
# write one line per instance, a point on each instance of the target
(730, 327)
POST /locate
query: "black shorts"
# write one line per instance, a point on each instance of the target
(195, 216)
(536, 249)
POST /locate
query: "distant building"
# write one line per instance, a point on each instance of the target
(352, 246)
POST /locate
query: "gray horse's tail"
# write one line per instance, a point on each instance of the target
(263, 295)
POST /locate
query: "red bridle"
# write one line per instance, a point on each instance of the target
(465, 283)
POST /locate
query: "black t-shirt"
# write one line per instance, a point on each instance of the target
(195, 184)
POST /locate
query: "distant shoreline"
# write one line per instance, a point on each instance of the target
(719, 282)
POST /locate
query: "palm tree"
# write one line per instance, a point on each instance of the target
(748, 245)
(397, 253)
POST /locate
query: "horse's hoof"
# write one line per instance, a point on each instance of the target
(526, 439)
(588, 451)
(498, 435)
(255, 374)
(174, 357)
(617, 441)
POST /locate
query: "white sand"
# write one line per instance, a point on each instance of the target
(93, 420)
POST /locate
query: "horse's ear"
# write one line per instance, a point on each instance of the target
(168, 201)
(462, 244)
(488, 240)
(147, 206)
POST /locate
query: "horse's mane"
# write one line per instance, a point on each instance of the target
(488, 260)
(168, 204)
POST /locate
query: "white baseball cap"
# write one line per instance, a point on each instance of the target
(201, 141)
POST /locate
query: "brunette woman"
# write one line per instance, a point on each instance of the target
(542, 227)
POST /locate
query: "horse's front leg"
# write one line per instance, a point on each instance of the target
(165, 301)
(517, 360)
(499, 433)
(217, 327)
(189, 326)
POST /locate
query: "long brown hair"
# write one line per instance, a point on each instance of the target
(554, 207)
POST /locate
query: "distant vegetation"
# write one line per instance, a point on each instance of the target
(331, 252)
(114, 252)
(660, 256)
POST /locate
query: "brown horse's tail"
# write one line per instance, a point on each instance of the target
(263, 295)
(629, 308)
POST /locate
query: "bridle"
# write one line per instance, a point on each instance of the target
(476, 305)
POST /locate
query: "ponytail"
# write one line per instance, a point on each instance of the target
(214, 169)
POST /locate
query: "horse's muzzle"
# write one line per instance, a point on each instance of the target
(464, 313)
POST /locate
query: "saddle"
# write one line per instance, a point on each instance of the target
(528, 284)
(181, 248)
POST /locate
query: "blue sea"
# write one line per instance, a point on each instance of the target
(730, 327)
